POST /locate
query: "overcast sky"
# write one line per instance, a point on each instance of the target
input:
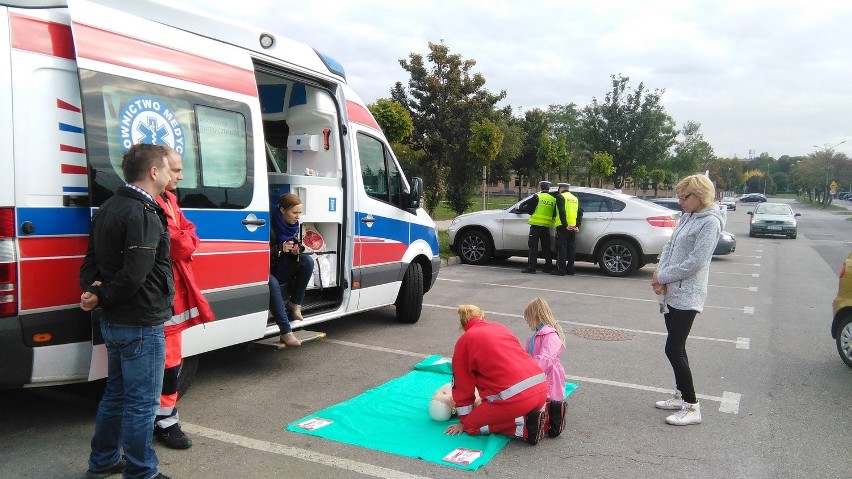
(759, 76)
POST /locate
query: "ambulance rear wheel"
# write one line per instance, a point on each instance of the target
(188, 368)
(409, 301)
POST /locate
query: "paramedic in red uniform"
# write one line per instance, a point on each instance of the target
(489, 359)
(190, 307)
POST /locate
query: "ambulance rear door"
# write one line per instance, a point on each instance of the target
(143, 81)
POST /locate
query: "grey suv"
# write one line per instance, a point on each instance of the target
(619, 232)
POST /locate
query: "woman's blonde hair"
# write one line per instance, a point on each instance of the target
(468, 311)
(698, 185)
(539, 310)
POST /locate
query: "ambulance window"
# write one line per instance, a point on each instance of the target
(394, 180)
(373, 170)
(222, 144)
(213, 136)
(382, 178)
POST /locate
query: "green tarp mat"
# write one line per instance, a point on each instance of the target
(394, 418)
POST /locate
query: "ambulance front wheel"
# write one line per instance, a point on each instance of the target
(409, 301)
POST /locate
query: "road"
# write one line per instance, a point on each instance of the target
(775, 396)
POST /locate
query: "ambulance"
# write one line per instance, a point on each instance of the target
(253, 115)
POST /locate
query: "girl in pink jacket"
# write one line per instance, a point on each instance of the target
(545, 346)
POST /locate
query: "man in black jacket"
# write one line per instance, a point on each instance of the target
(127, 273)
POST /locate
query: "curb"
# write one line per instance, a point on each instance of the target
(450, 261)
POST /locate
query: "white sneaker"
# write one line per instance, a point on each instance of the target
(673, 403)
(690, 414)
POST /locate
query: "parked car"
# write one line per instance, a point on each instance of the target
(844, 196)
(727, 243)
(730, 202)
(773, 219)
(753, 198)
(841, 327)
(619, 232)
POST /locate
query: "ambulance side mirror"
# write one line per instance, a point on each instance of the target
(416, 195)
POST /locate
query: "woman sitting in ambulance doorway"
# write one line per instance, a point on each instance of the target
(288, 266)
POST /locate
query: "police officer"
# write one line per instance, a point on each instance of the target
(566, 231)
(542, 206)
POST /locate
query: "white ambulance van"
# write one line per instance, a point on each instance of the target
(252, 113)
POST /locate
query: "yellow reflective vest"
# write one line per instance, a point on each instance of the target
(543, 214)
(572, 206)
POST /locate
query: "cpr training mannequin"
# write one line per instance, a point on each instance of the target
(442, 406)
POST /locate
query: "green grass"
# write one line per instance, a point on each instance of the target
(444, 245)
(834, 208)
(443, 211)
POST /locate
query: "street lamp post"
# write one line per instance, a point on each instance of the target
(829, 150)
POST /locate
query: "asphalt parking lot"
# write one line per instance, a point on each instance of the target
(772, 389)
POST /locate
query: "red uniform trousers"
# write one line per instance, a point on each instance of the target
(505, 417)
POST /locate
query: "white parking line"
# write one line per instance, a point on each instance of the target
(743, 256)
(297, 453)
(745, 309)
(730, 401)
(741, 343)
(753, 275)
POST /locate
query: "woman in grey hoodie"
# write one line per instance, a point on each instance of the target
(681, 280)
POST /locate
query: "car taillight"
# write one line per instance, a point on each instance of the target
(8, 264)
(661, 221)
(843, 269)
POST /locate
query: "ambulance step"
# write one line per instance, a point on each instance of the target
(303, 336)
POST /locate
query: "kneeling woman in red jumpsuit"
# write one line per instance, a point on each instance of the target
(490, 359)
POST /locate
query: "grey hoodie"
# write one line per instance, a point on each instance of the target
(685, 261)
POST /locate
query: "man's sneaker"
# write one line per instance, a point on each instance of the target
(528, 271)
(116, 468)
(536, 424)
(673, 403)
(690, 414)
(160, 475)
(556, 417)
(172, 437)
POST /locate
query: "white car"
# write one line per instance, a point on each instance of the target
(619, 232)
(729, 202)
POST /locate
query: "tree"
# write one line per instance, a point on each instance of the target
(693, 154)
(727, 173)
(533, 125)
(640, 178)
(510, 149)
(485, 143)
(632, 127)
(657, 176)
(564, 123)
(444, 100)
(394, 120)
(601, 166)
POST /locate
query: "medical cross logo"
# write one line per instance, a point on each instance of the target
(147, 119)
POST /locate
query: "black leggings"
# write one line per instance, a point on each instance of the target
(678, 324)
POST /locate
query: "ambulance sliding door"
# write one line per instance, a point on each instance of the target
(146, 82)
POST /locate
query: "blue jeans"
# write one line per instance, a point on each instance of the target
(296, 274)
(125, 419)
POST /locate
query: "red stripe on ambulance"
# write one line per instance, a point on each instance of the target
(115, 49)
(73, 169)
(67, 106)
(359, 114)
(41, 36)
(71, 149)
(373, 251)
